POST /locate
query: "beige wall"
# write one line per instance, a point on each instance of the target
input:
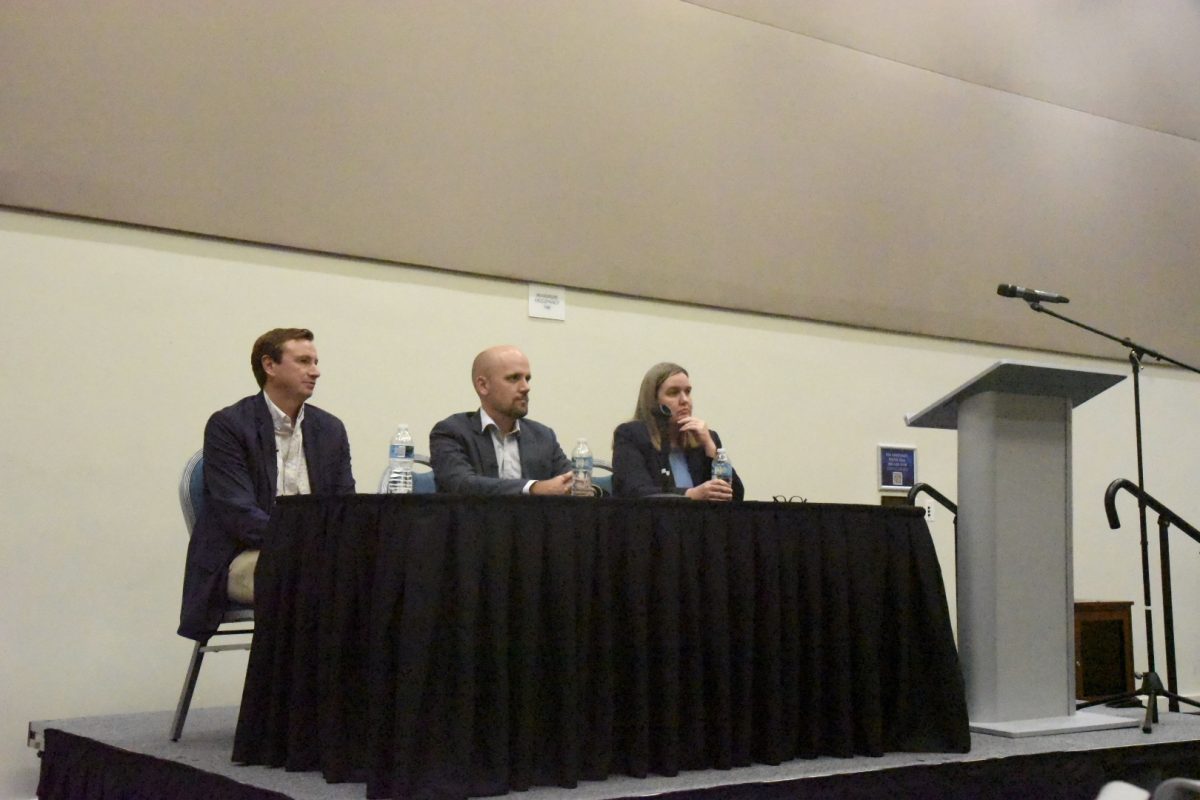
(860, 162)
(881, 165)
(120, 342)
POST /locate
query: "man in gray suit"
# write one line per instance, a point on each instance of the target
(497, 450)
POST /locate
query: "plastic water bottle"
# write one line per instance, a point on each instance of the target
(400, 463)
(581, 465)
(722, 467)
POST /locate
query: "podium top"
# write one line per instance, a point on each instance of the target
(1016, 377)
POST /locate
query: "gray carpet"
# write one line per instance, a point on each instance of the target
(208, 740)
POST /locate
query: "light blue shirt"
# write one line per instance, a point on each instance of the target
(679, 469)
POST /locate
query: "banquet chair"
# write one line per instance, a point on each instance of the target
(603, 482)
(1177, 789)
(1120, 790)
(423, 482)
(191, 500)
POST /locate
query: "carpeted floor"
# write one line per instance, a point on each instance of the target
(208, 740)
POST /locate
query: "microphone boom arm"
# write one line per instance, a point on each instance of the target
(1139, 349)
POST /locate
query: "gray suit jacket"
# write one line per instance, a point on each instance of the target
(464, 459)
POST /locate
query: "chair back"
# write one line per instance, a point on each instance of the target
(1177, 789)
(603, 482)
(423, 481)
(191, 501)
(191, 490)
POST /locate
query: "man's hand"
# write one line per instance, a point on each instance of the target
(557, 485)
(711, 490)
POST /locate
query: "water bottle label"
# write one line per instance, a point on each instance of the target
(583, 463)
(401, 451)
(399, 482)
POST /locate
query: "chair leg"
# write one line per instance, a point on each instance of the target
(189, 686)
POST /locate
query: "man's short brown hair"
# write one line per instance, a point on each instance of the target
(271, 344)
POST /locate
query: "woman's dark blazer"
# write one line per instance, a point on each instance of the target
(638, 467)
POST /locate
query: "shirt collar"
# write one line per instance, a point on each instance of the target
(485, 421)
(281, 421)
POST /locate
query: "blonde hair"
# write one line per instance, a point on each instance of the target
(647, 403)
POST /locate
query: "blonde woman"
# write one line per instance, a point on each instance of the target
(664, 449)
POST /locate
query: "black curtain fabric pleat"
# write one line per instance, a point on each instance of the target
(437, 646)
(78, 768)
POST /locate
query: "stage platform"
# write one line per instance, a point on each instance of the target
(131, 756)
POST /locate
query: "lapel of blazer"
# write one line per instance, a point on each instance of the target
(661, 468)
(264, 431)
(485, 450)
(526, 445)
(695, 463)
(311, 431)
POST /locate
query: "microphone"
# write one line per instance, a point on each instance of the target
(1030, 295)
(662, 417)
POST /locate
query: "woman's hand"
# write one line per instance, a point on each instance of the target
(699, 427)
(711, 490)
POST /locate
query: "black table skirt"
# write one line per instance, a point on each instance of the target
(437, 646)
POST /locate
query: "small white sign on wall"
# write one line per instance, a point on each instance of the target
(547, 302)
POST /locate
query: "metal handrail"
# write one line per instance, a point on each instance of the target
(932, 492)
(1110, 506)
(1166, 518)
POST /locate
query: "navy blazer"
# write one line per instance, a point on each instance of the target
(638, 468)
(463, 456)
(239, 490)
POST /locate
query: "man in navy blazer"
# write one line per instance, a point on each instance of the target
(264, 445)
(497, 449)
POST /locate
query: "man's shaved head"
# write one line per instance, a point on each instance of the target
(501, 378)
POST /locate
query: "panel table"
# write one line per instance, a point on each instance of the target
(448, 646)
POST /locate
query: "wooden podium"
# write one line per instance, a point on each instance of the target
(1016, 634)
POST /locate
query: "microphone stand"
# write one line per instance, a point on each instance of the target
(1152, 686)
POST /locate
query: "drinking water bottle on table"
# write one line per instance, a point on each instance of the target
(581, 466)
(400, 463)
(722, 467)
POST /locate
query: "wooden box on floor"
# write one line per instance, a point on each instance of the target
(1103, 649)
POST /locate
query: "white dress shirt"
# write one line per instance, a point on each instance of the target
(291, 468)
(508, 451)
